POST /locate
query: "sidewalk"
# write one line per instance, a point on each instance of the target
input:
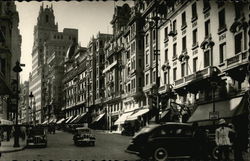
(7, 146)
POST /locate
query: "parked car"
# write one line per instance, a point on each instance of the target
(37, 136)
(163, 141)
(84, 136)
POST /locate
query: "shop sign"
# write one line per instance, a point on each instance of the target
(214, 115)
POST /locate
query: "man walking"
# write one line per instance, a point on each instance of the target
(222, 140)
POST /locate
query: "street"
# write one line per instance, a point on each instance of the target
(61, 147)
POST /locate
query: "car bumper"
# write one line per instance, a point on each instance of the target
(132, 152)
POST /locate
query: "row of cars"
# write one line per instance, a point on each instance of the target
(169, 140)
(37, 136)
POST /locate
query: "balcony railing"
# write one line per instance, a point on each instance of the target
(207, 72)
(239, 58)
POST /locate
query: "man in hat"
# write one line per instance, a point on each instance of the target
(222, 139)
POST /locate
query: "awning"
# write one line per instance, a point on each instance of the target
(226, 109)
(69, 119)
(45, 122)
(79, 118)
(136, 114)
(73, 119)
(60, 121)
(52, 121)
(5, 122)
(98, 117)
(122, 118)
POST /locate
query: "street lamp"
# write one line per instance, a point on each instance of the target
(17, 69)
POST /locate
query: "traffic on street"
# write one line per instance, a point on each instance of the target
(61, 146)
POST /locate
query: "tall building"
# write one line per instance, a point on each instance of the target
(75, 85)
(113, 73)
(10, 52)
(205, 61)
(49, 50)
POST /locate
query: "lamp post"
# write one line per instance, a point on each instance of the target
(17, 69)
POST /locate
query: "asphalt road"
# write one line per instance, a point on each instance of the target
(61, 148)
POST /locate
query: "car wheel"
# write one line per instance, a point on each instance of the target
(160, 154)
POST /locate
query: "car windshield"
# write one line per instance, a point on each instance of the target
(37, 131)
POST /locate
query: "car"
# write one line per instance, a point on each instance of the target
(84, 136)
(164, 141)
(37, 136)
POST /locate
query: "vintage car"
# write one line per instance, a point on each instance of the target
(84, 136)
(37, 136)
(165, 141)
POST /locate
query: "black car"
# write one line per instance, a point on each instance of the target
(160, 142)
(84, 136)
(37, 136)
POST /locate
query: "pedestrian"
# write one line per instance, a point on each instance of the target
(200, 148)
(222, 140)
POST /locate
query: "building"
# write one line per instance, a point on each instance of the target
(10, 52)
(114, 49)
(204, 57)
(96, 83)
(48, 54)
(25, 116)
(75, 85)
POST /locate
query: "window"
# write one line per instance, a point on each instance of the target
(184, 44)
(154, 34)
(166, 33)
(195, 60)
(222, 52)
(174, 50)
(147, 77)
(183, 69)
(147, 57)
(165, 77)
(206, 58)
(174, 25)
(194, 11)
(206, 5)
(154, 76)
(174, 73)
(222, 21)
(238, 43)
(133, 48)
(166, 55)
(194, 37)
(207, 28)
(183, 18)
(146, 40)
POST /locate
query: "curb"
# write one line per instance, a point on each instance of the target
(13, 150)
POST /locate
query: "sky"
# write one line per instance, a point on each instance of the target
(86, 16)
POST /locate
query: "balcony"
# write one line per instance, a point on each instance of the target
(165, 88)
(110, 66)
(238, 59)
(199, 75)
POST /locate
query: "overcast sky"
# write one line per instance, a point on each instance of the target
(88, 17)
